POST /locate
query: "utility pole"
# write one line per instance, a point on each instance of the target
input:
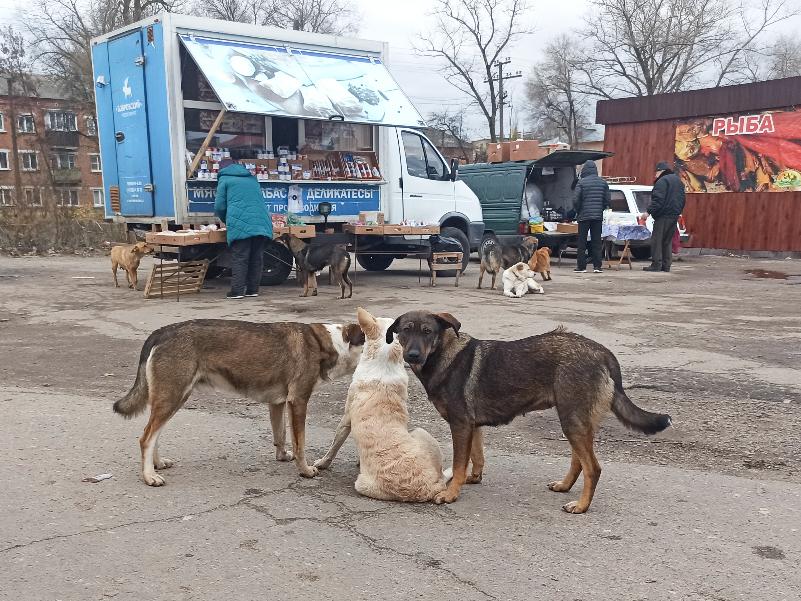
(501, 94)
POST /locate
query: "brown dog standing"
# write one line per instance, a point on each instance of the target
(128, 256)
(468, 381)
(540, 262)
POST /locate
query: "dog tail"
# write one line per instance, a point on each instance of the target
(135, 401)
(627, 412)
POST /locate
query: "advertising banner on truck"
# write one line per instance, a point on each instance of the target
(282, 81)
(759, 152)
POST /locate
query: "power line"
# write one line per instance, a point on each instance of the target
(500, 79)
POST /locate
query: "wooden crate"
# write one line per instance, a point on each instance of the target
(397, 230)
(176, 239)
(567, 228)
(364, 230)
(299, 231)
(424, 230)
(217, 236)
(176, 279)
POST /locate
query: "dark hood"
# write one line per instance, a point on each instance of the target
(589, 169)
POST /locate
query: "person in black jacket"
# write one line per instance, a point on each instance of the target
(591, 198)
(667, 203)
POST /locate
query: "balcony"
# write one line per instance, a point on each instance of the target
(66, 176)
(62, 139)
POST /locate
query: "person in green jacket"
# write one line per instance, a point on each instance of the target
(241, 207)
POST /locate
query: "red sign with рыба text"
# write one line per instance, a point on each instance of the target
(743, 125)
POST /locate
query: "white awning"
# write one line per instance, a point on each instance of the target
(308, 84)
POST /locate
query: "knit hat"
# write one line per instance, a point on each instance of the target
(662, 166)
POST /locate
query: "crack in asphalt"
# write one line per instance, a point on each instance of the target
(345, 521)
(342, 521)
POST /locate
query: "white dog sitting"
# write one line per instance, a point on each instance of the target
(519, 279)
(394, 464)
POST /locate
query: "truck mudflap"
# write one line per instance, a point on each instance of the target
(475, 233)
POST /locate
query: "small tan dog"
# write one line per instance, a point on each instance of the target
(540, 263)
(128, 257)
(518, 280)
(394, 464)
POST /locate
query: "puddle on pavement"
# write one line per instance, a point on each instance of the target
(768, 274)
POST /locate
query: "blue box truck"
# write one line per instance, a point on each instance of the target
(170, 84)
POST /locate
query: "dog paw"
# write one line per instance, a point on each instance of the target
(163, 463)
(309, 472)
(445, 497)
(284, 455)
(474, 478)
(558, 486)
(322, 464)
(573, 507)
(153, 480)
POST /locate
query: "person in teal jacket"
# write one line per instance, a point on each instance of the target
(240, 206)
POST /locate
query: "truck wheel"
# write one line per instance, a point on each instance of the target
(641, 253)
(375, 262)
(452, 232)
(278, 263)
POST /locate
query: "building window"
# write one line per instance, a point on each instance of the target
(33, 197)
(28, 160)
(98, 198)
(26, 124)
(4, 160)
(91, 126)
(61, 121)
(6, 196)
(94, 162)
(2, 122)
(67, 197)
(64, 160)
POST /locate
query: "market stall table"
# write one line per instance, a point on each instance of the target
(557, 242)
(614, 234)
(361, 231)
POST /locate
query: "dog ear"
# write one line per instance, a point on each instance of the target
(367, 323)
(393, 329)
(353, 335)
(449, 321)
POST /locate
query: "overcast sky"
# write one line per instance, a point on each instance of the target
(399, 21)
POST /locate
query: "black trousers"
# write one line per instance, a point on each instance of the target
(662, 242)
(592, 226)
(246, 265)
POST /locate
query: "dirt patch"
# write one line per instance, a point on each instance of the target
(767, 274)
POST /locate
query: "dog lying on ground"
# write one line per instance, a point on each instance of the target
(310, 259)
(394, 464)
(518, 280)
(474, 383)
(495, 257)
(541, 263)
(279, 364)
(128, 256)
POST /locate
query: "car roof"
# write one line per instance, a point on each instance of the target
(632, 187)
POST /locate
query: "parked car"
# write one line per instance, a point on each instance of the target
(628, 203)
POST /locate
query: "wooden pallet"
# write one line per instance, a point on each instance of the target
(175, 279)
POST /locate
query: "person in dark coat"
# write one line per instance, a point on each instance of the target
(667, 203)
(240, 205)
(590, 199)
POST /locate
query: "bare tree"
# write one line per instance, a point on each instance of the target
(62, 29)
(784, 58)
(452, 124)
(470, 36)
(645, 47)
(337, 17)
(554, 90)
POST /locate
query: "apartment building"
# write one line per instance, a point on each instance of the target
(57, 162)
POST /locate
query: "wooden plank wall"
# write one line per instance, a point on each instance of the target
(733, 221)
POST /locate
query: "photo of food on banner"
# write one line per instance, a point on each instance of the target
(740, 153)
